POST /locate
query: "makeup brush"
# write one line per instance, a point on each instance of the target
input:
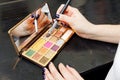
(35, 22)
(56, 21)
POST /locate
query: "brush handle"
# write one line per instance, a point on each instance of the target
(64, 8)
(55, 22)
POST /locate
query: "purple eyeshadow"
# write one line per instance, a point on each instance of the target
(55, 48)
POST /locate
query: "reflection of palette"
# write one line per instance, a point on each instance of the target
(45, 48)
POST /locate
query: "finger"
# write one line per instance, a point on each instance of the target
(41, 17)
(38, 11)
(48, 74)
(74, 72)
(67, 9)
(29, 20)
(43, 22)
(64, 18)
(60, 8)
(65, 72)
(28, 23)
(46, 78)
(55, 72)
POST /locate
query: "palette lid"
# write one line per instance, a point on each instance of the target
(24, 31)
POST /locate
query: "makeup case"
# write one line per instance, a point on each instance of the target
(37, 47)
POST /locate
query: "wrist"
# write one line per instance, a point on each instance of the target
(91, 31)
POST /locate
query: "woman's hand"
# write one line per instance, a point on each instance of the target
(76, 20)
(66, 73)
(27, 27)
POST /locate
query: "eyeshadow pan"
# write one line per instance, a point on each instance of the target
(36, 56)
(30, 53)
(58, 34)
(55, 48)
(53, 39)
(60, 42)
(43, 50)
(49, 54)
(47, 38)
(63, 29)
(67, 35)
(44, 60)
(38, 44)
(39, 40)
(48, 44)
(54, 31)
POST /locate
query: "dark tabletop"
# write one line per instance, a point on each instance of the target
(80, 53)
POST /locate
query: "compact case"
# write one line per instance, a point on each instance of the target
(37, 47)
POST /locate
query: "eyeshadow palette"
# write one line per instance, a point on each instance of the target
(37, 47)
(45, 48)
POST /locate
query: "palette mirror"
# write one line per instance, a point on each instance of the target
(36, 46)
(25, 28)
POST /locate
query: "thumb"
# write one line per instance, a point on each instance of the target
(64, 18)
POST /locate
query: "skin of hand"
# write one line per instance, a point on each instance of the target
(75, 19)
(27, 27)
(66, 73)
(85, 29)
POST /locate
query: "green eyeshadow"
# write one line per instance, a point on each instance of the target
(30, 52)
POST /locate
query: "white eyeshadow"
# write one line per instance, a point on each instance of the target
(60, 42)
(67, 34)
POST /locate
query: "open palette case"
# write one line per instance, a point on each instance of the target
(36, 47)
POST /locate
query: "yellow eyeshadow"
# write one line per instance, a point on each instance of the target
(53, 39)
(38, 44)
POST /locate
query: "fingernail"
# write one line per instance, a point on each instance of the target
(43, 77)
(33, 23)
(43, 73)
(37, 16)
(66, 25)
(63, 24)
(32, 15)
(43, 69)
(68, 66)
(57, 16)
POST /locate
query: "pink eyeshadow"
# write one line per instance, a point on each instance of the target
(48, 44)
(55, 48)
